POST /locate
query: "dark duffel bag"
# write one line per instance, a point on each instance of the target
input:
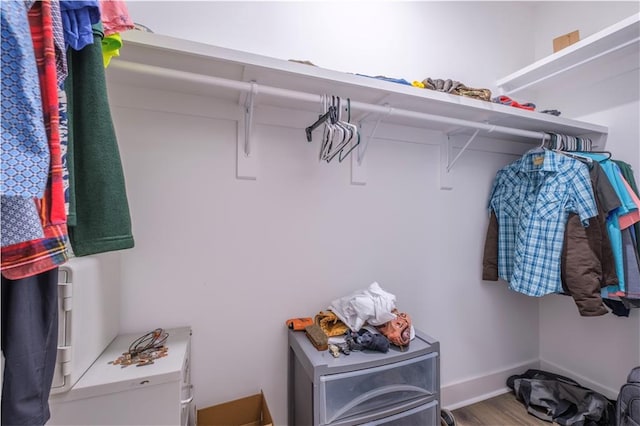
(555, 398)
(628, 404)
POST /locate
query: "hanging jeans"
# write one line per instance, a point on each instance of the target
(29, 346)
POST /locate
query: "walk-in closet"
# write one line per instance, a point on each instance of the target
(280, 157)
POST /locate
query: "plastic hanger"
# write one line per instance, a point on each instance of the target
(327, 133)
(575, 155)
(607, 153)
(349, 131)
(322, 119)
(540, 148)
(355, 129)
(334, 129)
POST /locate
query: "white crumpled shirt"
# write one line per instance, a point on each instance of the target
(372, 306)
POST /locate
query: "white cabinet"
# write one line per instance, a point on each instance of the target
(372, 388)
(107, 394)
(88, 287)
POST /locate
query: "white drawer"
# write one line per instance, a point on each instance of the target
(374, 391)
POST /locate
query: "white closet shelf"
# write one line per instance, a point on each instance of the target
(194, 67)
(605, 54)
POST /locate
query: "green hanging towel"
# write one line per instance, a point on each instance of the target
(99, 219)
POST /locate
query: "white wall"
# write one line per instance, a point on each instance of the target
(234, 259)
(464, 41)
(553, 19)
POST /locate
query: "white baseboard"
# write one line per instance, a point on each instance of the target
(475, 389)
(479, 388)
(555, 368)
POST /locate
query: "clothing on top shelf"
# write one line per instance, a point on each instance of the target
(505, 100)
(389, 79)
(456, 88)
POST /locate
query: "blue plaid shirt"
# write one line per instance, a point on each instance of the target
(532, 198)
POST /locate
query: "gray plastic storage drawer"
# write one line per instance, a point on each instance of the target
(424, 415)
(363, 393)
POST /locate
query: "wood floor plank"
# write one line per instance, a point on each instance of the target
(502, 410)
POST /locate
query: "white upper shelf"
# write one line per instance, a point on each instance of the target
(198, 64)
(605, 54)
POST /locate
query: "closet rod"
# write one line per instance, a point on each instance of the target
(313, 98)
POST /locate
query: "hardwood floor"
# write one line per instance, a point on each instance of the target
(502, 410)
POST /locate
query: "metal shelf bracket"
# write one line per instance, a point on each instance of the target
(246, 166)
(445, 154)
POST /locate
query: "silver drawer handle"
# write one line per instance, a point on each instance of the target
(375, 393)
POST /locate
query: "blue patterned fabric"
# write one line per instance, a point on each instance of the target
(58, 40)
(532, 198)
(64, 146)
(25, 151)
(19, 220)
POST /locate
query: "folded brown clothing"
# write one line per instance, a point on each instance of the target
(482, 94)
(456, 88)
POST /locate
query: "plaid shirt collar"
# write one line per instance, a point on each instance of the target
(550, 163)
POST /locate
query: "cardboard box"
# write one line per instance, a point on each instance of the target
(563, 41)
(249, 411)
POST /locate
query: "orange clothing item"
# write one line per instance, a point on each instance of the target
(633, 216)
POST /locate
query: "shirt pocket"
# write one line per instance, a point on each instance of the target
(510, 204)
(549, 205)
